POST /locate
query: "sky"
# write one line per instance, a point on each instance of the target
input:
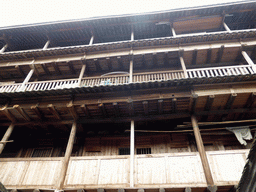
(19, 12)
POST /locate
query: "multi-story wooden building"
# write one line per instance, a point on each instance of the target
(116, 103)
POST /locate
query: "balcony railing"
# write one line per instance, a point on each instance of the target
(154, 171)
(124, 79)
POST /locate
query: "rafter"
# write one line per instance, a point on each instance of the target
(54, 111)
(22, 112)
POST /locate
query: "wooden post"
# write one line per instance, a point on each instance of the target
(66, 158)
(202, 153)
(81, 75)
(132, 154)
(249, 60)
(132, 34)
(4, 48)
(173, 32)
(183, 67)
(131, 67)
(91, 40)
(26, 79)
(226, 27)
(46, 45)
(6, 137)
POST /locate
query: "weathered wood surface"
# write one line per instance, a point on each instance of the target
(97, 171)
(18, 172)
(227, 166)
(154, 170)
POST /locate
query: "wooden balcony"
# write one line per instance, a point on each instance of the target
(124, 79)
(167, 170)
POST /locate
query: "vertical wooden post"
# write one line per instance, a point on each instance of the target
(131, 68)
(4, 48)
(173, 32)
(183, 67)
(226, 27)
(200, 146)
(6, 137)
(81, 75)
(26, 79)
(132, 155)
(249, 60)
(91, 40)
(46, 45)
(66, 158)
(132, 34)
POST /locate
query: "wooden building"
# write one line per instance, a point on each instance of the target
(131, 103)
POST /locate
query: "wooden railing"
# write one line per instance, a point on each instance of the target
(154, 170)
(220, 71)
(124, 79)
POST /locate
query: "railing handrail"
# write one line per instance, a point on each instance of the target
(212, 68)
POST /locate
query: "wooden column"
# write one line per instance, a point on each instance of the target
(183, 67)
(131, 67)
(249, 60)
(66, 158)
(173, 32)
(6, 137)
(132, 34)
(46, 45)
(4, 48)
(200, 146)
(26, 79)
(132, 154)
(81, 75)
(226, 27)
(91, 40)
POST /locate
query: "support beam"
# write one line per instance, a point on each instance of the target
(102, 109)
(120, 63)
(108, 61)
(132, 142)
(194, 102)
(220, 54)
(6, 137)
(154, 60)
(81, 74)
(209, 103)
(66, 158)
(47, 72)
(182, 63)
(85, 110)
(130, 107)
(209, 55)
(230, 101)
(37, 111)
(20, 71)
(200, 147)
(97, 65)
(8, 114)
(22, 87)
(249, 60)
(4, 48)
(72, 111)
(226, 27)
(132, 34)
(46, 45)
(250, 100)
(22, 112)
(194, 57)
(56, 68)
(54, 111)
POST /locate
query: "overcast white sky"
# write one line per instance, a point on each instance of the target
(18, 12)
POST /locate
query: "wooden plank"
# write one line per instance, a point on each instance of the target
(56, 68)
(66, 158)
(6, 137)
(54, 111)
(37, 111)
(22, 112)
(230, 101)
(200, 147)
(72, 111)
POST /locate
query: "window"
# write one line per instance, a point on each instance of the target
(143, 151)
(124, 151)
(42, 152)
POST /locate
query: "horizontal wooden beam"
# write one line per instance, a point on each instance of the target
(159, 49)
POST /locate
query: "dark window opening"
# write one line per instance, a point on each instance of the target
(143, 151)
(42, 152)
(124, 151)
